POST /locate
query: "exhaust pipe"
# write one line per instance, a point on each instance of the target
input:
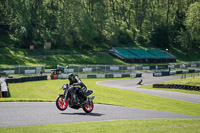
(91, 98)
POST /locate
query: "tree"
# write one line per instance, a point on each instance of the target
(160, 36)
(82, 23)
(192, 22)
(190, 37)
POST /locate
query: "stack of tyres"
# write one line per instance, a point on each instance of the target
(13, 80)
(191, 71)
(44, 77)
(109, 76)
(138, 75)
(125, 75)
(23, 79)
(0, 92)
(91, 76)
(179, 72)
(165, 73)
(35, 78)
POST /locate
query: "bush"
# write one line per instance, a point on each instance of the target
(125, 37)
(160, 36)
(141, 39)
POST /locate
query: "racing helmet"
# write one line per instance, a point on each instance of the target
(71, 77)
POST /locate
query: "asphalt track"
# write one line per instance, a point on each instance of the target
(38, 113)
(131, 84)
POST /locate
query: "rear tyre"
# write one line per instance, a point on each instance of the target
(88, 107)
(60, 103)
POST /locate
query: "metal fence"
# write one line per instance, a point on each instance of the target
(22, 69)
(110, 69)
(100, 69)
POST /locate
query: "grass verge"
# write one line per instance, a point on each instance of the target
(15, 56)
(120, 126)
(195, 81)
(49, 90)
(54, 60)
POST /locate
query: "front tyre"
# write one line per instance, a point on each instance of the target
(61, 104)
(88, 107)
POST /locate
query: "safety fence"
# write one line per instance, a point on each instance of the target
(83, 76)
(22, 69)
(109, 69)
(98, 69)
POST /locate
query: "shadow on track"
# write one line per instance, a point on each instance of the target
(86, 114)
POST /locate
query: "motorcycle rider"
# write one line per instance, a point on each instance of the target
(78, 84)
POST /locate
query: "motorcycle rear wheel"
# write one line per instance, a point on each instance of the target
(60, 104)
(88, 107)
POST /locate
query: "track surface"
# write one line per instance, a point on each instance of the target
(131, 84)
(39, 113)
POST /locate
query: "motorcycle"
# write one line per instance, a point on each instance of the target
(74, 99)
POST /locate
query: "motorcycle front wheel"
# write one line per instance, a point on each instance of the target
(61, 104)
(88, 107)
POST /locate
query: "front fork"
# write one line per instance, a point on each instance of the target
(65, 94)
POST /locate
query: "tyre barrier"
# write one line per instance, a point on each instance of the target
(138, 75)
(124, 75)
(109, 76)
(91, 76)
(163, 73)
(177, 86)
(6, 93)
(26, 79)
(1, 94)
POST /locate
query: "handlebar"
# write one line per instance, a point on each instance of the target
(65, 86)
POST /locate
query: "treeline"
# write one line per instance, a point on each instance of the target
(91, 23)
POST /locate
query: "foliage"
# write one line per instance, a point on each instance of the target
(192, 23)
(90, 23)
(160, 36)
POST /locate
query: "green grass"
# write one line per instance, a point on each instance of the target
(187, 74)
(49, 90)
(194, 81)
(174, 90)
(65, 56)
(14, 57)
(183, 56)
(120, 126)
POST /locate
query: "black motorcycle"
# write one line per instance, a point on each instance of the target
(74, 99)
